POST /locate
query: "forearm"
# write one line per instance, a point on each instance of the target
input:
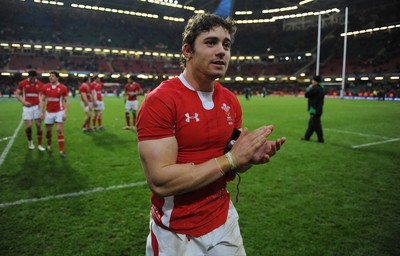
(183, 178)
(165, 177)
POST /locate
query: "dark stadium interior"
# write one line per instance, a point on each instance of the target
(368, 54)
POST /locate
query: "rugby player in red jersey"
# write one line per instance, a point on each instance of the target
(98, 104)
(55, 102)
(184, 126)
(86, 103)
(132, 89)
(28, 93)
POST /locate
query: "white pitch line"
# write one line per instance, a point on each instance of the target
(376, 143)
(74, 194)
(10, 143)
(358, 133)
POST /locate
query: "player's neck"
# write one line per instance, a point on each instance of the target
(199, 82)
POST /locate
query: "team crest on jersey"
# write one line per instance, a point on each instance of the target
(189, 118)
(226, 108)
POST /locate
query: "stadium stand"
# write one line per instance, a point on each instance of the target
(367, 54)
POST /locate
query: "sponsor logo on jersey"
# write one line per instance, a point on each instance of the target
(195, 117)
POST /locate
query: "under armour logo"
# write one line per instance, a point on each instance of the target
(195, 117)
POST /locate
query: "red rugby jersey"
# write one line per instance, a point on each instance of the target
(84, 88)
(130, 89)
(202, 129)
(97, 87)
(55, 95)
(31, 92)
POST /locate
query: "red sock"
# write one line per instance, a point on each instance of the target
(128, 121)
(61, 142)
(39, 137)
(99, 121)
(48, 137)
(29, 133)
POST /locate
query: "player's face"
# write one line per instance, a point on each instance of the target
(32, 79)
(212, 51)
(53, 79)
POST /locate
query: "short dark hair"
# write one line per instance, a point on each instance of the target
(317, 79)
(204, 22)
(55, 73)
(85, 79)
(32, 73)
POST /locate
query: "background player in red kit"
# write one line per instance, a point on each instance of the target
(132, 89)
(28, 93)
(98, 104)
(55, 102)
(86, 102)
(184, 126)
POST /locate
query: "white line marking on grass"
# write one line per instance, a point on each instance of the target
(376, 143)
(358, 133)
(74, 194)
(10, 143)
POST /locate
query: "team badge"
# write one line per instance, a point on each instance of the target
(226, 108)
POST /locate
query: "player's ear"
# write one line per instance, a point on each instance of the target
(187, 51)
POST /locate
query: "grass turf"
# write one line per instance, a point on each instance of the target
(311, 199)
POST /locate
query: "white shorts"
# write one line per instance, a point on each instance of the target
(100, 105)
(51, 118)
(131, 105)
(224, 240)
(31, 113)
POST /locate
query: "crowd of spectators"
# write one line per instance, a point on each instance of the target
(377, 53)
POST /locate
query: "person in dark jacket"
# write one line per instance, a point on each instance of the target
(315, 94)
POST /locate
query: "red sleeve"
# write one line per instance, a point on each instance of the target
(21, 85)
(156, 116)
